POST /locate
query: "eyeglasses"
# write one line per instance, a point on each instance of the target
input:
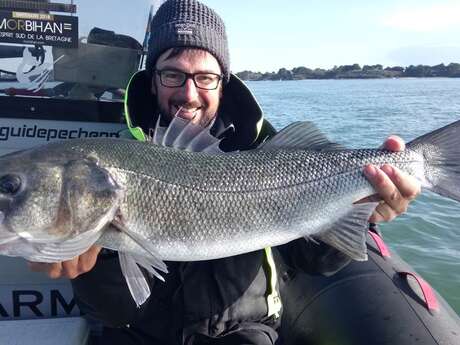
(205, 81)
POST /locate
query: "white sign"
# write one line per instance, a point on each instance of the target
(19, 134)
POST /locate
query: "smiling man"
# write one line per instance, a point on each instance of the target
(233, 300)
(187, 84)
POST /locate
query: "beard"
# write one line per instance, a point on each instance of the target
(191, 111)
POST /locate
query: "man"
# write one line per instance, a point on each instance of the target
(227, 301)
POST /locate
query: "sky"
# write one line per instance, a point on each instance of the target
(266, 35)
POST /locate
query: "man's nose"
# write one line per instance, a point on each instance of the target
(190, 90)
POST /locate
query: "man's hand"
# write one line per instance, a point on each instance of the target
(395, 189)
(71, 268)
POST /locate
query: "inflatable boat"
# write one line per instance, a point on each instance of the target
(381, 301)
(55, 84)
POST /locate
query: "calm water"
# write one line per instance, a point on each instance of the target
(362, 113)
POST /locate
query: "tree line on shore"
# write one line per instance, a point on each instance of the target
(355, 71)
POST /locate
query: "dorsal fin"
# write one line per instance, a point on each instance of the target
(182, 134)
(301, 135)
(156, 136)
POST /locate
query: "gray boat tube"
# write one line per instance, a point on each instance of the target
(378, 302)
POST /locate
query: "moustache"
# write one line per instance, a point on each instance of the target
(187, 105)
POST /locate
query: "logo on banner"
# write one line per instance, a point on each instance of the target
(39, 28)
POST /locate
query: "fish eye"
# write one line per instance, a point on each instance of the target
(10, 184)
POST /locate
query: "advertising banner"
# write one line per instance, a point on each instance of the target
(39, 28)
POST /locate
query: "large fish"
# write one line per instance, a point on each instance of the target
(154, 203)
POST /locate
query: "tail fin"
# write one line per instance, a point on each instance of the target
(441, 151)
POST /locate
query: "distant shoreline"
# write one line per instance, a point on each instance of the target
(408, 78)
(355, 71)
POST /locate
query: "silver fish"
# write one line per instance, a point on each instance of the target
(153, 203)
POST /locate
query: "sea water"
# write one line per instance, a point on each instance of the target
(361, 114)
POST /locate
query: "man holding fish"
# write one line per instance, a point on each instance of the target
(230, 300)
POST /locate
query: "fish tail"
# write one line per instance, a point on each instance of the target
(441, 153)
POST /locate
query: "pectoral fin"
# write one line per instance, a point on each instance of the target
(152, 258)
(137, 284)
(146, 256)
(348, 234)
(150, 265)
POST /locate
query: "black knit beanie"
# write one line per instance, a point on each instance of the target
(188, 23)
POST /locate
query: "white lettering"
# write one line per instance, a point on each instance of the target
(38, 26)
(48, 27)
(21, 25)
(6, 34)
(11, 24)
(58, 38)
(34, 26)
(57, 28)
(29, 25)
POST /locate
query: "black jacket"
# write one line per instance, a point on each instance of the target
(208, 302)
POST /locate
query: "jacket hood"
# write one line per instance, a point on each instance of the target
(239, 114)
